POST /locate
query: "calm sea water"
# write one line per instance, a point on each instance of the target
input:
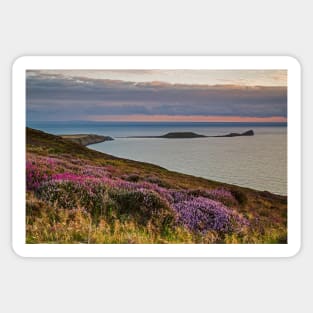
(258, 162)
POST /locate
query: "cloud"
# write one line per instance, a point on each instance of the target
(56, 96)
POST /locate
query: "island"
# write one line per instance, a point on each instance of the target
(247, 133)
(174, 135)
(86, 139)
(186, 135)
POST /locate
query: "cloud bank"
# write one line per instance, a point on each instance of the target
(59, 97)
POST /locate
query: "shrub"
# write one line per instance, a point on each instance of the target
(201, 215)
(132, 177)
(69, 194)
(179, 196)
(144, 206)
(34, 175)
(240, 196)
(157, 181)
(219, 194)
(67, 185)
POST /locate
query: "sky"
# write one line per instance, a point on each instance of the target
(157, 95)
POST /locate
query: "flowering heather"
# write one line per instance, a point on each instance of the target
(80, 178)
(145, 206)
(221, 195)
(75, 184)
(179, 195)
(40, 169)
(202, 215)
(96, 171)
(35, 176)
(77, 195)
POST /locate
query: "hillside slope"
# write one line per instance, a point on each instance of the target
(78, 195)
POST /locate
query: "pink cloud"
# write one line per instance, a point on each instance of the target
(184, 118)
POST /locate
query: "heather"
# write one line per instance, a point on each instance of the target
(76, 195)
(202, 215)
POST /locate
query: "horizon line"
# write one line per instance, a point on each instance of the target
(176, 118)
(141, 121)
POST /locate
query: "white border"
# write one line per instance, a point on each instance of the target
(156, 62)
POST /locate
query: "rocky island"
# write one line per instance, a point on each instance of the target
(247, 133)
(86, 139)
(173, 135)
(185, 135)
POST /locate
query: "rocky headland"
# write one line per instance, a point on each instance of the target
(86, 139)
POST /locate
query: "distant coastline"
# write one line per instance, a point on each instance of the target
(203, 157)
(86, 139)
(89, 139)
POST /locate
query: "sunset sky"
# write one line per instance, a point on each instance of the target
(157, 95)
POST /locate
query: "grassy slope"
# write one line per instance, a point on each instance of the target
(267, 213)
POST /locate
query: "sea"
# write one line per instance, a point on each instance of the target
(258, 162)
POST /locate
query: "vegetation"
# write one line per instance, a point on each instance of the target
(77, 195)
